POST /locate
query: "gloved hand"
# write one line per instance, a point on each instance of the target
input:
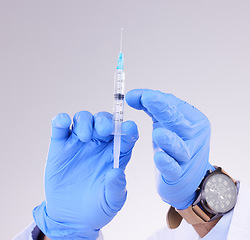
(181, 139)
(83, 191)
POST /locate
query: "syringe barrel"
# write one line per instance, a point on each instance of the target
(118, 105)
(119, 82)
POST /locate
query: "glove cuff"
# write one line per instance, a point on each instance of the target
(57, 230)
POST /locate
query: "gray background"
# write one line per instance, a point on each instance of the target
(60, 56)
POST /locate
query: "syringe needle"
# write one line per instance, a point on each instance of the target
(121, 40)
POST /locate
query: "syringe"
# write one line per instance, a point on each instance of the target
(118, 106)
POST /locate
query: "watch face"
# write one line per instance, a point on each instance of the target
(219, 193)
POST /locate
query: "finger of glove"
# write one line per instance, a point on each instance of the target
(60, 125)
(103, 127)
(133, 99)
(115, 190)
(83, 125)
(172, 144)
(129, 136)
(128, 139)
(163, 108)
(169, 168)
(60, 131)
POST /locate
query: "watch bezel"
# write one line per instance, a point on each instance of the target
(202, 199)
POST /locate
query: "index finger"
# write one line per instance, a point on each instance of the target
(170, 111)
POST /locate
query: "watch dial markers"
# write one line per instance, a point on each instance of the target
(220, 193)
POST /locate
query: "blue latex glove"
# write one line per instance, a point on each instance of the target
(181, 138)
(83, 191)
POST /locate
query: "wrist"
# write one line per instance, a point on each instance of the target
(217, 196)
(202, 227)
(57, 230)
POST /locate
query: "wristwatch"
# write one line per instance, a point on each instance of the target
(217, 195)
